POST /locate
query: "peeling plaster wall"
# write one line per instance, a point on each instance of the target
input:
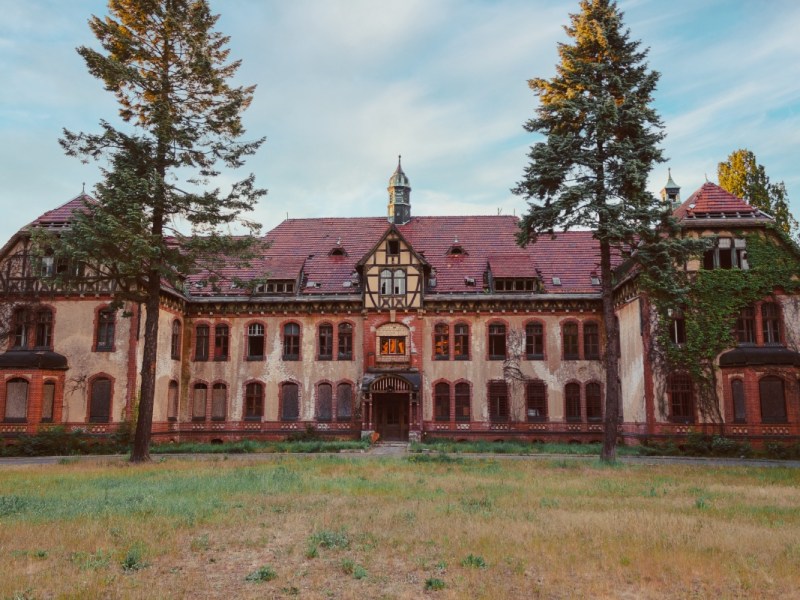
(632, 362)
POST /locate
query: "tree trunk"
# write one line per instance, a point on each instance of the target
(611, 358)
(144, 424)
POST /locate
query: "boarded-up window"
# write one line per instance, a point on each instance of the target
(324, 402)
(773, 402)
(219, 402)
(344, 402)
(498, 401)
(16, 401)
(739, 407)
(572, 401)
(100, 401)
(463, 399)
(172, 401)
(536, 400)
(290, 402)
(48, 400)
(441, 402)
(594, 405)
(199, 402)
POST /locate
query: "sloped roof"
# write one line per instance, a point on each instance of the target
(60, 216)
(713, 202)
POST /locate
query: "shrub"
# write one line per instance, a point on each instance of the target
(434, 584)
(133, 560)
(475, 562)
(261, 574)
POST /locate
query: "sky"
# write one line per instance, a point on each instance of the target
(345, 86)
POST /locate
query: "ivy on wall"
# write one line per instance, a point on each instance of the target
(710, 302)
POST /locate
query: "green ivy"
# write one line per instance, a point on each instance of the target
(710, 302)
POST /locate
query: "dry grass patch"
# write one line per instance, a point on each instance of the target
(336, 527)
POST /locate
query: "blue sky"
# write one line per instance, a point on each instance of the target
(344, 86)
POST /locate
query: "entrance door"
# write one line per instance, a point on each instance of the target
(391, 416)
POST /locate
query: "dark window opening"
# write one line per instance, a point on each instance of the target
(497, 341)
(534, 341)
(570, 335)
(345, 341)
(498, 402)
(48, 401)
(105, 330)
(44, 329)
(254, 402)
(393, 247)
(441, 402)
(324, 402)
(221, 340)
(739, 405)
(746, 326)
(325, 342)
(463, 397)
(572, 401)
(201, 334)
(344, 402)
(771, 323)
(772, 399)
(681, 398)
(591, 341)
(514, 285)
(291, 341)
(175, 341)
(594, 405)
(461, 341)
(536, 401)
(255, 341)
(100, 401)
(441, 342)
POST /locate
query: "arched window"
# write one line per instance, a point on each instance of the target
(498, 401)
(441, 402)
(392, 282)
(255, 341)
(16, 401)
(221, 338)
(324, 402)
(175, 342)
(386, 282)
(325, 342)
(172, 401)
(100, 400)
(290, 402)
(591, 340)
(463, 401)
(48, 401)
(344, 402)
(771, 323)
(291, 341)
(345, 341)
(254, 401)
(534, 341)
(497, 341)
(569, 333)
(772, 398)
(572, 401)
(594, 404)
(201, 335)
(536, 400)
(199, 397)
(219, 402)
(44, 328)
(681, 398)
(746, 326)
(461, 341)
(106, 324)
(441, 341)
(739, 405)
(21, 321)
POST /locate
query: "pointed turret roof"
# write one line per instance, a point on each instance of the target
(399, 177)
(671, 186)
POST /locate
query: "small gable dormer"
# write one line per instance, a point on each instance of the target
(393, 273)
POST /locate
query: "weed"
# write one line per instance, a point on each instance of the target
(40, 554)
(474, 505)
(548, 503)
(359, 572)
(434, 584)
(265, 573)
(200, 544)
(99, 559)
(133, 560)
(473, 561)
(349, 567)
(330, 539)
(701, 503)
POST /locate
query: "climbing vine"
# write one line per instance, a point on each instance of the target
(709, 301)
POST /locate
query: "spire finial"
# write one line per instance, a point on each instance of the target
(83, 187)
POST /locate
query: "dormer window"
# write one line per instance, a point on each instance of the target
(393, 247)
(337, 251)
(727, 253)
(456, 250)
(514, 284)
(277, 286)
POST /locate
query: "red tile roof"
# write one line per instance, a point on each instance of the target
(62, 215)
(713, 202)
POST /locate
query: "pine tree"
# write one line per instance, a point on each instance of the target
(601, 139)
(742, 176)
(169, 71)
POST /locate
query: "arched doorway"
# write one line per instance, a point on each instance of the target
(391, 406)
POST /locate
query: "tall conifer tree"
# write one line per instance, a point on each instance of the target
(169, 71)
(742, 176)
(601, 139)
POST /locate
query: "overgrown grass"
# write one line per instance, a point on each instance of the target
(337, 526)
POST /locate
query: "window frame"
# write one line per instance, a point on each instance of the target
(344, 341)
(90, 418)
(290, 341)
(252, 335)
(441, 401)
(570, 341)
(441, 341)
(253, 407)
(202, 342)
(318, 409)
(499, 400)
(778, 418)
(286, 402)
(771, 329)
(196, 387)
(460, 400)
(534, 341)
(536, 401)
(738, 400)
(573, 410)
(325, 341)
(27, 400)
(746, 326)
(594, 402)
(681, 396)
(497, 334)
(44, 329)
(175, 340)
(222, 342)
(341, 403)
(591, 342)
(105, 330)
(219, 385)
(461, 339)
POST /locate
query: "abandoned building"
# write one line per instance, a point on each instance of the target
(409, 326)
